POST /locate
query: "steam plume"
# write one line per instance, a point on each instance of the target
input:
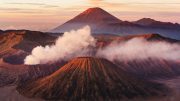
(71, 44)
(76, 43)
(140, 48)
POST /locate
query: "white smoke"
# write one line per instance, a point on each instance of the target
(76, 43)
(140, 48)
(70, 45)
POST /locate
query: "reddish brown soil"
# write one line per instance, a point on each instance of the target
(89, 79)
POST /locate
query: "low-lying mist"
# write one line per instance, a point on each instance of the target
(77, 43)
(140, 48)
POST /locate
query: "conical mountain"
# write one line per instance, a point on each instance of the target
(94, 15)
(89, 79)
(102, 22)
(97, 18)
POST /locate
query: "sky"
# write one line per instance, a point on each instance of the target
(43, 15)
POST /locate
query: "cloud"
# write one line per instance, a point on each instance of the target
(95, 1)
(71, 44)
(29, 8)
(140, 49)
(103, 3)
(19, 10)
(26, 3)
(133, 2)
(76, 43)
(12, 9)
(35, 4)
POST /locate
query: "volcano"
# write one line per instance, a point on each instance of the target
(89, 79)
(15, 45)
(98, 19)
(102, 22)
(92, 15)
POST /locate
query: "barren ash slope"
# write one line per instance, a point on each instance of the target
(151, 68)
(15, 45)
(18, 39)
(90, 79)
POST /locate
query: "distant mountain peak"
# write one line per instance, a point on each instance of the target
(94, 17)
(102, 22)
(95, 9)
(146, 21)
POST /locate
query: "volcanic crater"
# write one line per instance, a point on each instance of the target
(90, 79)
